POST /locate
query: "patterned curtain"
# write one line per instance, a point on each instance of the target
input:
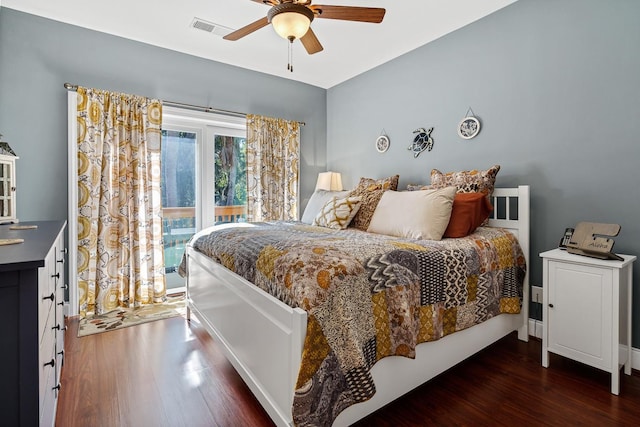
(273, 153)
(120, 252)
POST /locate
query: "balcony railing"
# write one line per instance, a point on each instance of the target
(223, 214)
(179, 224)
(235, 213)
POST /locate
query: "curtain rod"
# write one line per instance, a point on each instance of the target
(74, 88)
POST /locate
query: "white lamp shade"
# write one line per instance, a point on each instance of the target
(331, 181)
(290, 24)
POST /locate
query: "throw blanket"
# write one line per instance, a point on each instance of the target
(368, 296)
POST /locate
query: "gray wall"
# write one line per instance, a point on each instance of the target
(37, 56)
(556, 86)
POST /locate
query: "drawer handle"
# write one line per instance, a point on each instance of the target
(65, 286)
(57, 275)
(52, 363)
(60, 261)
(56, 387)
(551, 305)
(56, 327)
(64, 251)
(61, 353)
(51, 297)
(61, 303)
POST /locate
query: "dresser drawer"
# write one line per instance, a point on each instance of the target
(44, 311)
(59, 331)
(46, 292)
(48, 401)
(46, 355)
(61, 287)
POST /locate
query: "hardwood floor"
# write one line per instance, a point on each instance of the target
(171, 373)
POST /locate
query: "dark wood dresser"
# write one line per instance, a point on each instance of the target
(32, 283)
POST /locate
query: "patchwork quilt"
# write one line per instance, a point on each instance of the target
(368, 296)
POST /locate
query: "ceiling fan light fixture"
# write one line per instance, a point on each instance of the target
(290, 20)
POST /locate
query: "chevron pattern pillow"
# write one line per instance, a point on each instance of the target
(338, 212)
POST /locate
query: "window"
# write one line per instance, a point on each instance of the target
(230, 178)
(203, 178)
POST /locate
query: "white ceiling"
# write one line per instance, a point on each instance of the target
(350, 48)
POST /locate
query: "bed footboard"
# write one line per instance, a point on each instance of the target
(261, 336)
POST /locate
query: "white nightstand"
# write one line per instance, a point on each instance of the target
(586, 310)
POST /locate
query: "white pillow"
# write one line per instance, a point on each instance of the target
(318, 199)
(338, 213)
(420, 214)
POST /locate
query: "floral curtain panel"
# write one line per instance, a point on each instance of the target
(273, 152)
(120, 252)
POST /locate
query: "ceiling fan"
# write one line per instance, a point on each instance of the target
(291, 19)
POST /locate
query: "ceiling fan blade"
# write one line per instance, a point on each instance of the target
(248, 29)
(267, 2)
(350, 13)
(311, 42)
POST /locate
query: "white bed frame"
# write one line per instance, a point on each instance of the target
(263, 337)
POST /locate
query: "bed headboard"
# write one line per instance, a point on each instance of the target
(511, 211)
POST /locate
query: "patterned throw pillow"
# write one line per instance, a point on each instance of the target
(473, 181)
(370, 191)
(418, 187)
(390, 183)
(337, 213)
(318, 199)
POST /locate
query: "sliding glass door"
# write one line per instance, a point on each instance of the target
(203, 178)
(178, 196)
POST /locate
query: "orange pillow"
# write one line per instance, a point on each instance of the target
(468, 213)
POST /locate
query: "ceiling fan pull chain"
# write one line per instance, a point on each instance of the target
(290, 56)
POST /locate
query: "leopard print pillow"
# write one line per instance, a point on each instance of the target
(370, 191)
(419, 187)
(473, 181)
(390, 183)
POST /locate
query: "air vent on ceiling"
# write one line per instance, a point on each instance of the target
(210, 27)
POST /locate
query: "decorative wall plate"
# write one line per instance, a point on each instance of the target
(382, 143)
(468, 127)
